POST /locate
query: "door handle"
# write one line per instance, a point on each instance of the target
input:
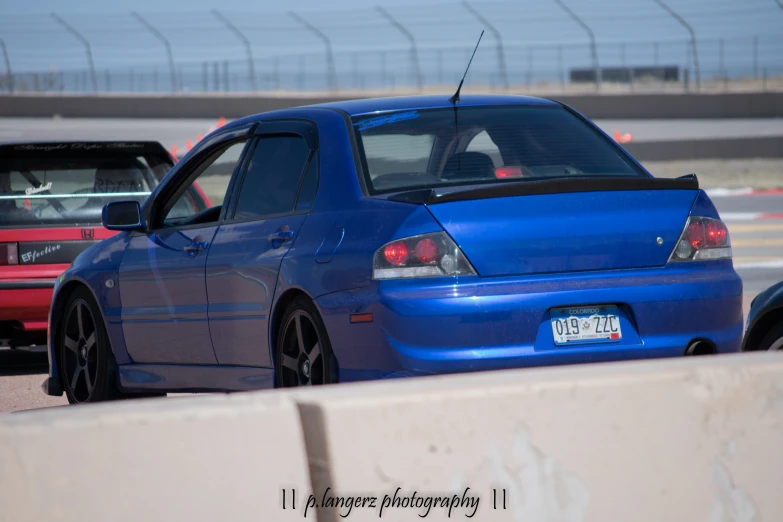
(282, 235)
(196, 246)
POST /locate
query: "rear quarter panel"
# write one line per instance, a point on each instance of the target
(342, 210)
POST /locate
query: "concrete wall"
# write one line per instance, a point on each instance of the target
(696, 439)
(675, 440)
(728, 148)
(614, 106)
(218, 458)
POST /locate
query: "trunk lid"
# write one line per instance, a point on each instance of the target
(566, 232)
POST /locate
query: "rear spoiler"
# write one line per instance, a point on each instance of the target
(544, 186)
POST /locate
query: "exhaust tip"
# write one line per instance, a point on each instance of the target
(701, 347)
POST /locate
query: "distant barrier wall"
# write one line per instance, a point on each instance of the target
(610, 106)
(679, 439)
(688, 149)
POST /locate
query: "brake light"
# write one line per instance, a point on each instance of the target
(9, 254)
(703, 238)
(396, 253)
(508, 172)
(426, 255)
(715, 233)
(426, 250)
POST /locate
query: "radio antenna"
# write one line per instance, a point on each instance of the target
(455, 99)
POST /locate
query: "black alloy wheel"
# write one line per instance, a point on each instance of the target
(86, 361)
(303, 353)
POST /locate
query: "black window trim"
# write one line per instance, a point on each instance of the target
(305, 129)
(314, 155)
(173, 187)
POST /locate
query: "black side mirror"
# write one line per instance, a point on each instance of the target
(122, 215)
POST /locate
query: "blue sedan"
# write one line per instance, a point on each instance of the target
(390, 238)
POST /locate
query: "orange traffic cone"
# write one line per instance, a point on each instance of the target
(221, 121)
(174, 150)
(199, 137)
(188, 145)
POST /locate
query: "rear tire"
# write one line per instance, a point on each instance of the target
(773, 341)
(87, 365)
(303, 353)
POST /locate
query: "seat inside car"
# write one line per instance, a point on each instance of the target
(111, 178)
(468, 165)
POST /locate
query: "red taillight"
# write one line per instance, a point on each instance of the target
(695, 234)
(703, 233)
(702, 239)
(9, 254)
(508, 172)
(715, 233)
(396, 253)
(426, 250)
(424, 255)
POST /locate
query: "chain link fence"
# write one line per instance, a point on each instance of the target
(570, 46)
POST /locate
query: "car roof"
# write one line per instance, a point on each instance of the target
(372, 105)
(398, 103)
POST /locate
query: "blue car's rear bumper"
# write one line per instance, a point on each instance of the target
(442, 325)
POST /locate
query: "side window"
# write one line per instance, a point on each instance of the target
(484, 144)
(306, 197)
(208, 189)
(272, 177)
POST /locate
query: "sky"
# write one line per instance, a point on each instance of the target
(540, 40)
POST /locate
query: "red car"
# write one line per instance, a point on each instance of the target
(51, 198)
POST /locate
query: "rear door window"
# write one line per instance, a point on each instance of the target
(306, 196)
(273, 177)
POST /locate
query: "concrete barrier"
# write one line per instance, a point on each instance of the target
(196, 459)
(728, 148)
(679, 439)
(596, 106)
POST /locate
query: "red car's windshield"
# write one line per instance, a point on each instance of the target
(69, 186)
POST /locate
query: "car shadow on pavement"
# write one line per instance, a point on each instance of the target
(18, 362)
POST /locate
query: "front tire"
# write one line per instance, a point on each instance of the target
(303, 353)
(87, 364)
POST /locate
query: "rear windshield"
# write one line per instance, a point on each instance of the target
(442, 147)
(71, 188)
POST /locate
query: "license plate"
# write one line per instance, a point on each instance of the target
(585, 324)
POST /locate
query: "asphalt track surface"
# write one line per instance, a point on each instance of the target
(757, 243)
